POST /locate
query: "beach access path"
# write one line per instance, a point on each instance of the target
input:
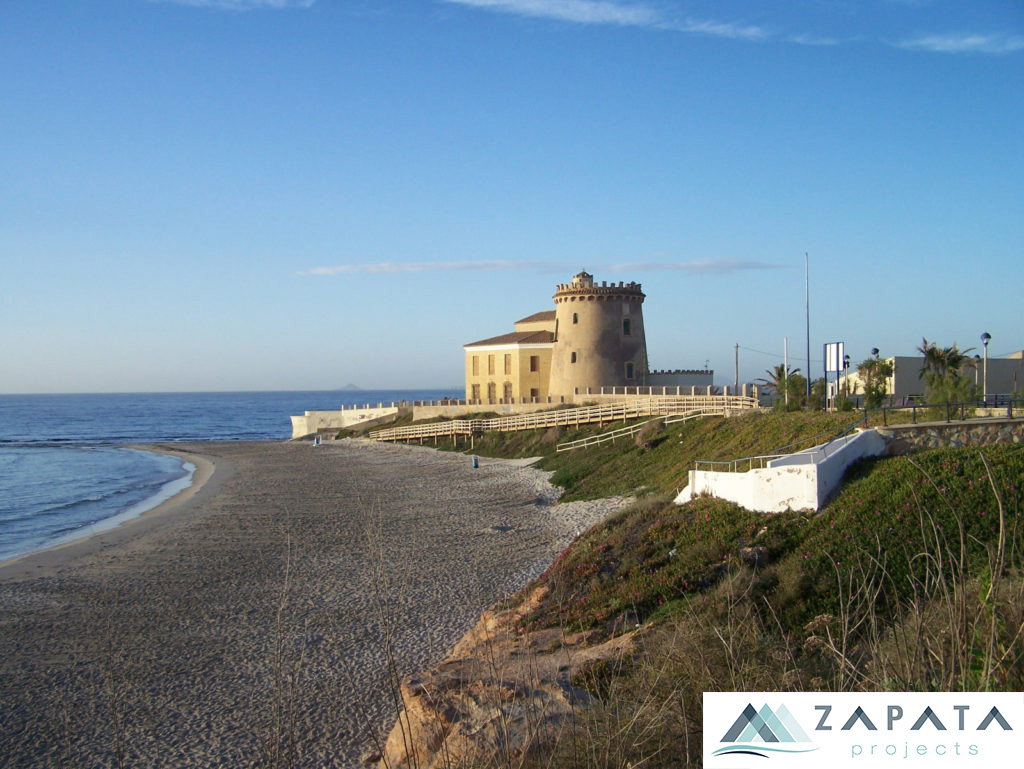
(252, 615)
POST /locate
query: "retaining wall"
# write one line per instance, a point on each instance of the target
(320, 421)
(805, 480)
(902, 439)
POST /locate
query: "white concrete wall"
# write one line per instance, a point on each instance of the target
(318, 421)
(801, 481)
(765, 490)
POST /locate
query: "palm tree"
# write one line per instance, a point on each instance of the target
(942, 372)
(776, 380)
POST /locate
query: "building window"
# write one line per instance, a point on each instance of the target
(573, 358)
(534, 394)
(476, 365)
(490, 365)
(629, 371)
(575, 317)
(507, 395)
(508, 363)
(626, 327)
(492, 392)
(476, 393)
(534, 363)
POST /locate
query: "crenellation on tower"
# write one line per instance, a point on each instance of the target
(599, 338)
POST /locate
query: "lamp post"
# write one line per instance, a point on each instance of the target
(977, 365)
(846, 376)
(985, 337)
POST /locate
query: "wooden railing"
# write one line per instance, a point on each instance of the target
(625, 432)
(646, 406)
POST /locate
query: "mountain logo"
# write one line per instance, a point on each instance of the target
(765, 731)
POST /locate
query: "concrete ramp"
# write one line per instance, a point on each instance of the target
(801, 481)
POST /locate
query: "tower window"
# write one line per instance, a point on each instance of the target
(627, 328)
(629, 371)
(573, 358)
(534, 363)
(575, 318)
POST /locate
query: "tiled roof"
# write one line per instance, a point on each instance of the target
(516, 337)
(538, 316)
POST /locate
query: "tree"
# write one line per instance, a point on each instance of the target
(817, 399)
(943, 372)
(777, 381)
(874, 374)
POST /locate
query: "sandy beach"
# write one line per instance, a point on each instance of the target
(248, 620)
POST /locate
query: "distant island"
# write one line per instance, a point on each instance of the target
(350, 386)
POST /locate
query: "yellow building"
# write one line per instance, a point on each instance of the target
(593, 339)
(512, 368)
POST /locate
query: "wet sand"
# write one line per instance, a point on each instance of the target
(254, 618)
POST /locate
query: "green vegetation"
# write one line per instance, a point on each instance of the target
(874, 373)
(947, 373)
(661, 464)
(912, 578)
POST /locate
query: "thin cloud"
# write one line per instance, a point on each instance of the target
(730, 30)
(698, 267)
(620, 14)
(241, 5)
(579, 11)
(964, 43)
(649, 16)
(395, 268)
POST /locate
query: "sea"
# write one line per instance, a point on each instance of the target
(66, 469)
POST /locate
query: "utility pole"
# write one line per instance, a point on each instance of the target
(807, 303)
(736, 379)
(785, 368)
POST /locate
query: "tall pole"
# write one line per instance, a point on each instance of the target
(985, 337)
(785, 369)
(736, 378)
(807, 303)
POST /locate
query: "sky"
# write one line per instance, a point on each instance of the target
(303, 194)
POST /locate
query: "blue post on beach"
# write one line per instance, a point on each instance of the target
(476, 462)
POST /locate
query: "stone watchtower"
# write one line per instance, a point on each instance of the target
(599, 337)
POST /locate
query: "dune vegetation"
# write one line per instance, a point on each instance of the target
(909, 579)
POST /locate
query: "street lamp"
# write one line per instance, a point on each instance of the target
(985, 337)
(977, 365)
(874, 351)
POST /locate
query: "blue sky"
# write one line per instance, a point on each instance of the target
(222, 194)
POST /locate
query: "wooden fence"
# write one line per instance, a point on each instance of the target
(625, 432)
(649, 406)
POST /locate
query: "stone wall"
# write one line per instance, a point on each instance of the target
(902, 439)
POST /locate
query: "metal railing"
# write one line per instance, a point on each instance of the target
(646, 406)
(953, 411)
(960, 410)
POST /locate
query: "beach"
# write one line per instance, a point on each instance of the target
(258, 617)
